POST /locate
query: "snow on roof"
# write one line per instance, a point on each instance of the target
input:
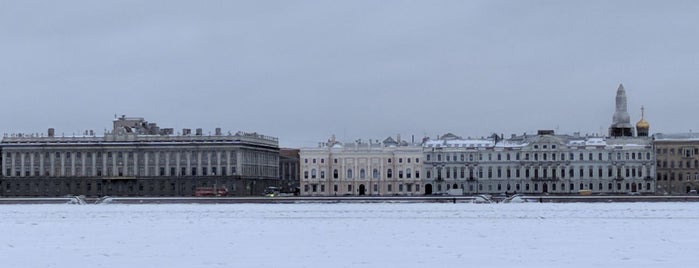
(459, 143)
(677, 136)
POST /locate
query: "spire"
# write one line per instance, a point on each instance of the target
(621, 121)
(621, 115)
(642, 127)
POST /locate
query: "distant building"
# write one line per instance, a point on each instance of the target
(535, 164)
(621, 121)
(289, 170)
(362, 168)
(677, 162)
(137, 158)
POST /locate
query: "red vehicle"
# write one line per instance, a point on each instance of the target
(210, 191)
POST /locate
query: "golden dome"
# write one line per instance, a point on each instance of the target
(642, 124)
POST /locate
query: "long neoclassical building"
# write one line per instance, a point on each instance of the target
(137, 158)
(541, 163)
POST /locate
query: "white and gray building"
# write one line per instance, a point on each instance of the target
(137, 158)
(371, 168)
(541, 163)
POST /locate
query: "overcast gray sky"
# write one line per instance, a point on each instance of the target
(303, 70)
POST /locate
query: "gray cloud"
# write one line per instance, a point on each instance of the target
(302, 70)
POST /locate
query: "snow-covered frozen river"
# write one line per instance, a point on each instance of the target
(351, 235)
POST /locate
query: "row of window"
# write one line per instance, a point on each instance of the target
(389, 188)
(550, 187)
(679, 164)
(485, 144)
(349, 174)
(400, 160)
(77, 186)
(120, 155)
(120, 171)
(545, 187)
(536, 157)
(463, 173)
(684, 152)
(672, 176)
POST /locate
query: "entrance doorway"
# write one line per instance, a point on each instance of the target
(545, 188)
(362, 189)
(428, 189)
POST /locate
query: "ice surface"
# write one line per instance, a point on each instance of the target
(351, 235)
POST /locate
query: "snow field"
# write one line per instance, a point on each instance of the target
(350, 235)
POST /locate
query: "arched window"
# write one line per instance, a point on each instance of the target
(389, 173)
(313, 173)
(362, 174)
(375, 174)
(349, 173)
(408, 173)
(335, 174)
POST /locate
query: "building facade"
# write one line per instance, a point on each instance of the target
(138, 158)
(536, 164)
(677, 162)
(388, 168)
